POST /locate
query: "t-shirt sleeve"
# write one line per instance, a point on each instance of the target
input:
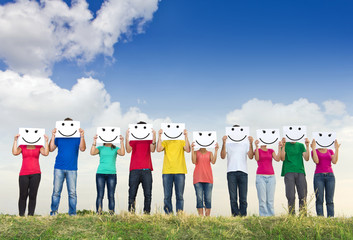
(164, 144)
(99, 148)
(303, 148)
(132, 144)
(56, 142)
(331, 152)
(272, 151)
(21, 146)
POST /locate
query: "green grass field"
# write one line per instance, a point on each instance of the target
(88, 225)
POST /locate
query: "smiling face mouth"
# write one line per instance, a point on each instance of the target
(205, 145)
(295, 140)
(67, 135)
(324, 146)
(268, 143)
(31, 142)
(237, 140)
(139, 138)
(173, 137)
(107, 140)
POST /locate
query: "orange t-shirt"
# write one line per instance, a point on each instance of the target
(203, 170)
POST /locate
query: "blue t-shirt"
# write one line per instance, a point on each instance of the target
(67, 153)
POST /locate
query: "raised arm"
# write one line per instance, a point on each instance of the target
(313, 147)
(16, 150)
(335, 156)
(251, 149)
(187, 144)
(277, 157)
(223, 151)
(121, 150)
(193, 154)
(52, 145)
(127, 141)
(306, 154)
(94, 149)
(214, 156)
(160, 148)
(257, 157)
(82, 140)
(45, 150)
(153, 144)
(283, 150)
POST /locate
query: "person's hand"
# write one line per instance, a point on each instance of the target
(224, 139)
(82, 133)
(16, 137)
(53, 132)
(257, 143)
(46, 138)
(121, 138)
(216, 147)
(251, 139)
(313, 144)
(280, 144)
(192, 146)
(186, 133)
(307, 142)
(160, 132)
(337, 145)
(283, 141)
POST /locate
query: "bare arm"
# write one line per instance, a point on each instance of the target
(82, 140)
(214, 156)
(45, 150)
(52, 145)
(121, 150)
(257, 157)
(160, 148)
(16, 150)
(313, 147)
(306, 154)
(187, 144)
(335, 156)
(193, 154)
(283, 150)
(127, 141)
(277, 157)
(94, 149)
(153, 144)
(251, 149)
(223, 150)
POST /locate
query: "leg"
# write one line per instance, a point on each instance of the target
(261, 194)
(270, 194)
(199, 196)
(232, 188)
(100, 192)
(302, 192)
(59, 176)
(23, 184)
(243, 192)
(319, 193)
(147, 190)
(111, 185)
(134, 182)
(71, 181)
(208, 197)
(168, 188)
(289, 182)
(33, 190)
(179, 182)
(330, 191)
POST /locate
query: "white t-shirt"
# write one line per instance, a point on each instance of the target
(237, 155)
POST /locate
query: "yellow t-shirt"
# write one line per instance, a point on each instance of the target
(174, 158)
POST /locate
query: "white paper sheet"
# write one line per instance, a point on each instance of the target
(324, 139)
(31, 136)
(237, 134)
(294, 133)
(268, 136)
(67, 129)
(204, 139)
(108, 135)
(173, 131)
(140, 132)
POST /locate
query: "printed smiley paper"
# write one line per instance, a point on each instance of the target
(204, 139)
(140, 132)
(324, 139)
(31, 136)
(108, 135)
(67, 129)
(173, 131)
(294, 133)
(237, 134)
(268, 136)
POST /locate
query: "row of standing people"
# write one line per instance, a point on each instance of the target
(174, 170)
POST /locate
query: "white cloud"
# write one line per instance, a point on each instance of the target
(334, 107)
(35, 35)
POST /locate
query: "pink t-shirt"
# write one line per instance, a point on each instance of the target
(324, 165)
(30, 160)
(265, 162)
(203, 170)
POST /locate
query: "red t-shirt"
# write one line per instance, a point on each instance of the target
(203, 170)
(141, 155)
(30, 160)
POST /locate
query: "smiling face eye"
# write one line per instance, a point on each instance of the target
(72, 124)
(299, 128)
(35, 131)
(26, 131)
(103, 129)
(63, 124)
(273, 132)
(263, 131)
(168, 126)
(320, 134)
(241, 129)
(209, 134)
(330, 135)
(232, 129)
(200, 134)
(177, 126)
(290, 128)
(135, 127)
(113, 129)
(144, 127)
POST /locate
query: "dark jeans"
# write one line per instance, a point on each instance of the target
(135, 178)
(101, 181)
(179, 183)
(297, 181)
(238, 182)
(324, 183)
(28, 188)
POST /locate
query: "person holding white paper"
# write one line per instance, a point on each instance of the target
(324, 179)
(203, 178)
(30, 173)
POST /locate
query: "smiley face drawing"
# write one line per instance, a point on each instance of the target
(237, 134)
(267, 136)
(204, 139)
(108, 135)
(173, 131)
(294, 133)
(324, 139)
(31, 136)
(141, 132)
(67, 129)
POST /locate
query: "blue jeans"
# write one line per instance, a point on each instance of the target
(179, 183)
(71, 180)
(203, 194)
(136, 177)
(324, 182)
(265, 185)
(101, 181)
(238, 181)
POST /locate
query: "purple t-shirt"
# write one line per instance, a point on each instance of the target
(324, 165)
(265, 162)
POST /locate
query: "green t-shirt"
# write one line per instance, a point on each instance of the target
(107, 161)
(294, 158)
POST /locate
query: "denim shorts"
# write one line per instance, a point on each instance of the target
(203, 194)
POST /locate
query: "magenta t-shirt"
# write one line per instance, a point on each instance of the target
(30, 160)
(265, 162)
(324, 165)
